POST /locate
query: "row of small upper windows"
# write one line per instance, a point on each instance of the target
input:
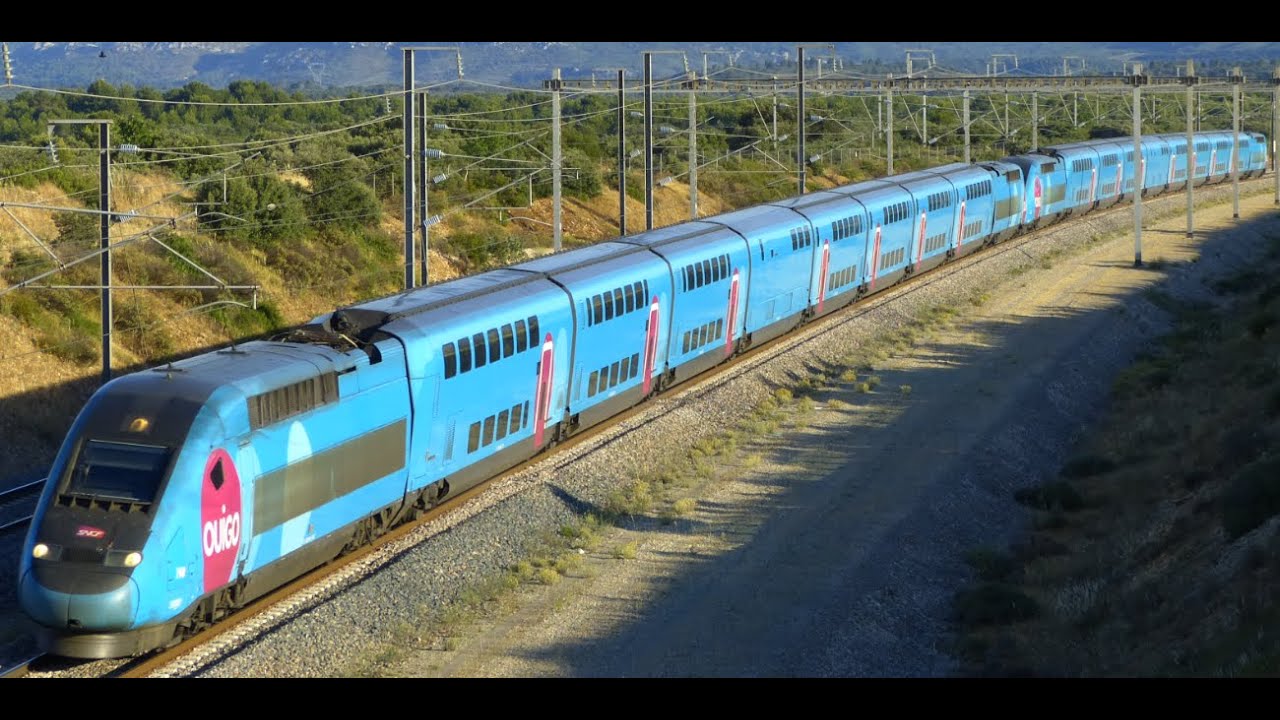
(895, 212)
(709, 332)
(1110, 160)
(939, 200)
(1081, 165)
(801, 238)
(972, 228)
(706, 272)
(610, 375)
(840, 278)
(846, 227)
(495, 427)
(617, 302)
(978, 190)
(1048, 167)
(891, 258)
(490, 346)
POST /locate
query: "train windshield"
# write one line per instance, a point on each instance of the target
(119, 471)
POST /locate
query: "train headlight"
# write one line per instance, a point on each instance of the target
(40, 551)
(123, 558)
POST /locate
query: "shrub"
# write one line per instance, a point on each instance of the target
(1252, 497)
(1051, 495)
(994, 604)
(991, 565)
(1087, 466)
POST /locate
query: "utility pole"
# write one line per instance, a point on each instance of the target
(1190, 80)
(966, 127)
(775, 111)
(411, 187)
(800, 116)
(1236, 79)
(648, 141)
(104, 229)
(888, 129)
(422, 180)
(693, 145)
(924, 118)
(555, 156)
(409, 182)
(1035, 121)
(622, 157)
(1275, 128)
(1138, 166)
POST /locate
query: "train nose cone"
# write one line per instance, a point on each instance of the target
(78, 599)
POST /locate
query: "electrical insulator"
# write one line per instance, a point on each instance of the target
(53, 152)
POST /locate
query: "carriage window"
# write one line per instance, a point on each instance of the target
(508, 342)
(533, 331)
(495, 349)
(502, 423)
(613, 374)
(473, 437)
(608, 311)
(515, 418)
(450, 360)
(640, 298)
(630, 296)
(488, 431)
(591, 383)
(521, 339)
(617, 301)
(724, 265)
(478, 341)
(697, 274)
(464, 354)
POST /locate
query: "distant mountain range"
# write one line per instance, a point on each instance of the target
(374, 64)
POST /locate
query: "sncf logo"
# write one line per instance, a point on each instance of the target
(88, 531)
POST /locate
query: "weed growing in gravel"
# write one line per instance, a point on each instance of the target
(684, 506)
(569, 562)
(904, 389)
(626, 551)
(634, 499)
(805, 406)
(549, 576)
(864, 387)
(751, 461)
(849, 376)
(837, 404)
(873, 381)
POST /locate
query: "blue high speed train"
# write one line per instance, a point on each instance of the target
(184, 491)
